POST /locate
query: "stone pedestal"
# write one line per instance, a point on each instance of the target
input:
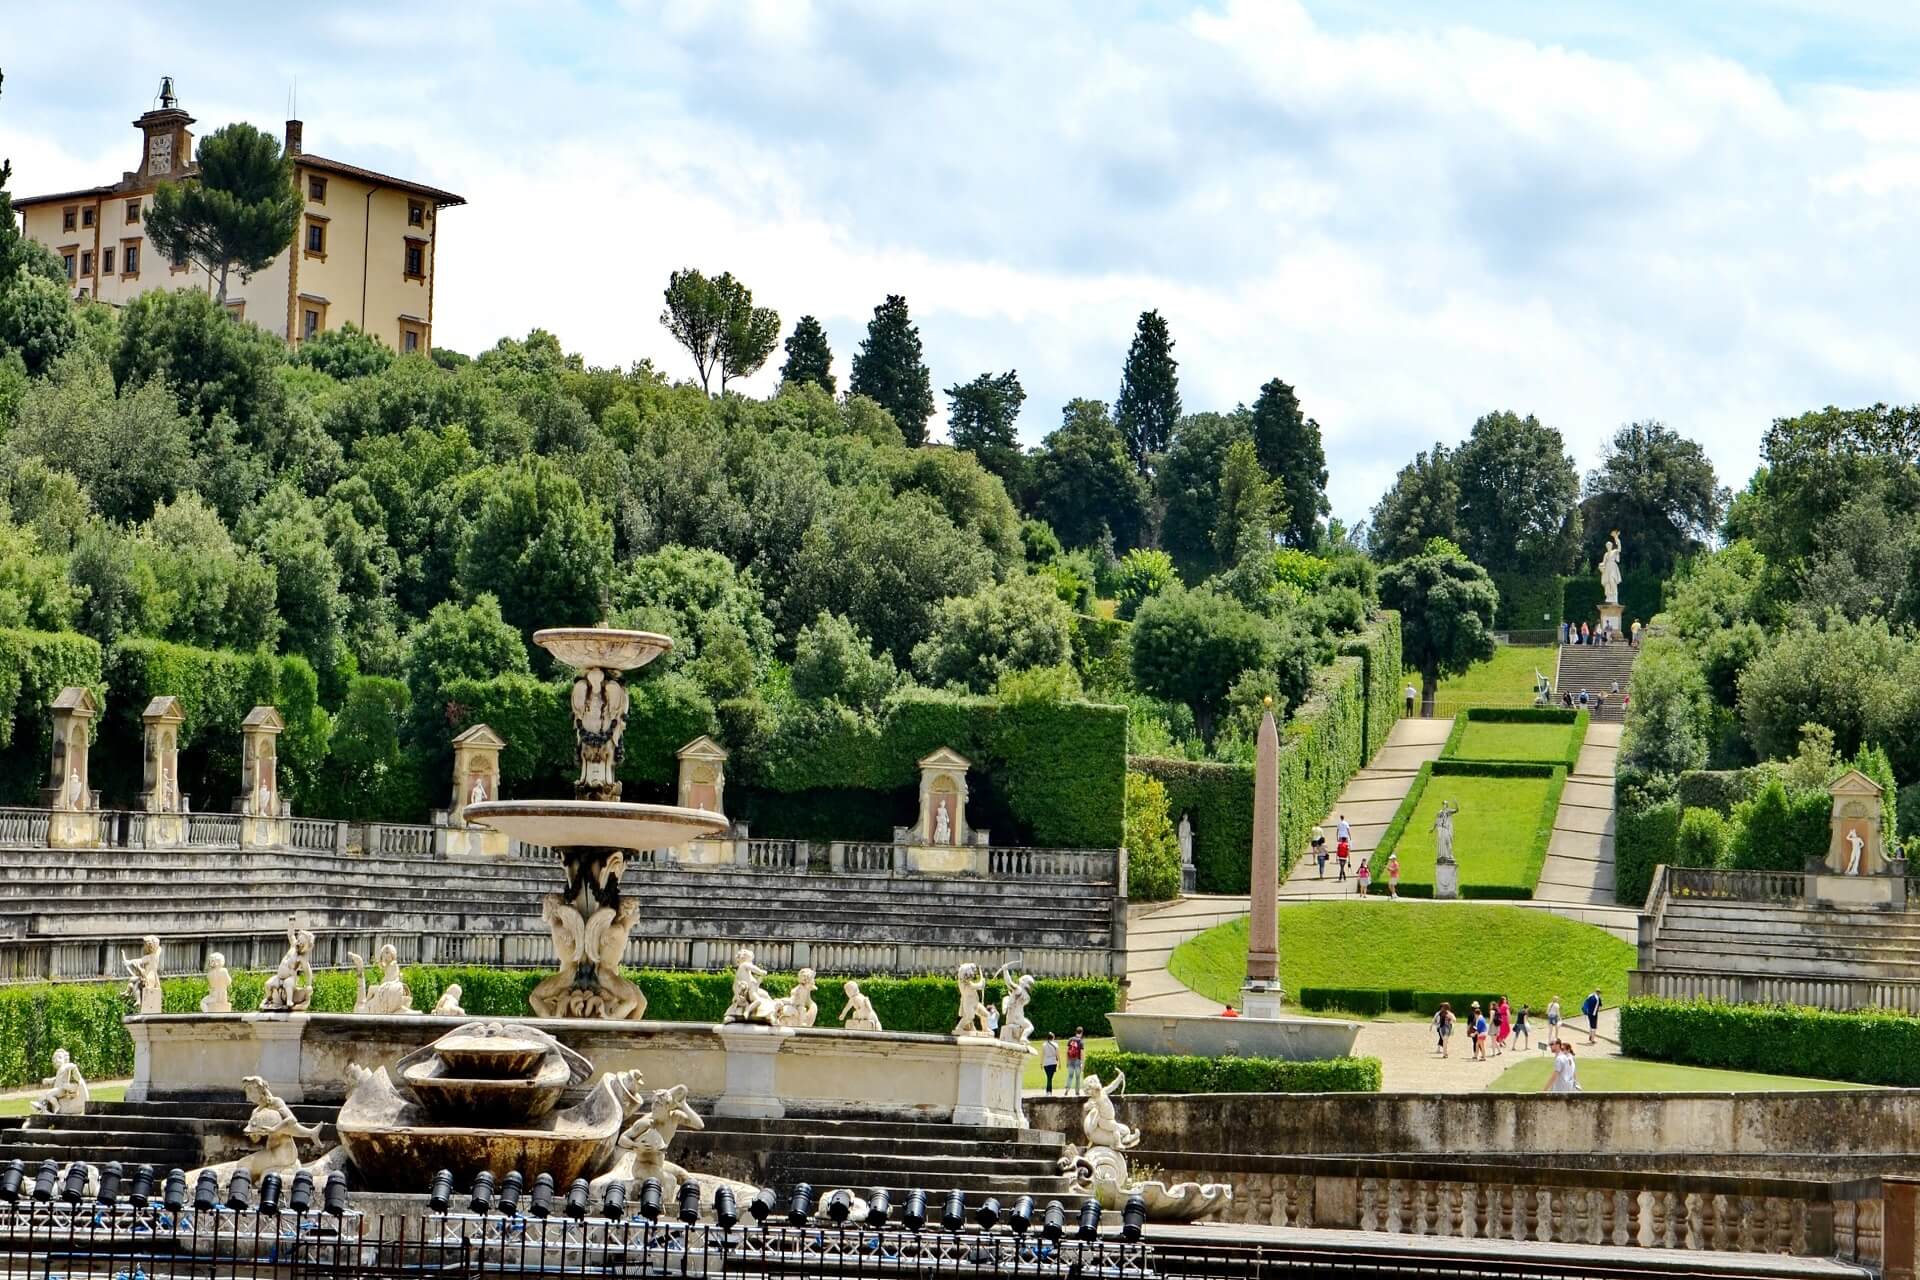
(476, 779)
(751, 1092)
(1882, 891)
(69, 787)
(160, 796)
(73, 829)
(1610, 618)
(1446, 880)
(1260, 1001)
(945, 860)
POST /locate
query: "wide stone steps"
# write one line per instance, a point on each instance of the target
(1596, 668)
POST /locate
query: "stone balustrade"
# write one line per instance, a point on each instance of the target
(1735, 987)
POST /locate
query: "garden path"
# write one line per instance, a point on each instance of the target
(1579, 865)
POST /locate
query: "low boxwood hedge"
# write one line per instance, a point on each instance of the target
(1157, 1073)
(1868, 1047)
(85, 1017)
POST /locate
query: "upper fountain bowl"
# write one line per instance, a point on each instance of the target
(608, 824)
(602, 646)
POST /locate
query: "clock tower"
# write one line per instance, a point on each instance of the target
(166, 144)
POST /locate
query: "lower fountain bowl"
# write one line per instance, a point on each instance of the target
(448, 1096)
(608, 824)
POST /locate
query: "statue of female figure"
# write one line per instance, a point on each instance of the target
(143, 976)
(1097, 1118)
(1443, 832)
(973, 1002)
(859, 1014)
(390, 994)
(1610, 569)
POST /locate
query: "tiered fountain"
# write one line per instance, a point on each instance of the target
(594, 831)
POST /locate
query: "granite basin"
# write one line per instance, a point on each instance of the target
(1212, 1036)
(603, 647)
(609, 824)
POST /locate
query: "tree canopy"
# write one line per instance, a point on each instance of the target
(1446, 605)
(888, 369)
(238, 213)
(809, 358)
(1660, 489)
(1519, 496)
(1287, 443)
(716, 321)
(1148, 405)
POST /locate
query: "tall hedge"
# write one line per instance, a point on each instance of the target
(1345, 716)
(216, 689)
(1528, 601)
(34, 667)
(1644, 836)
(1174, 1073)
(1868, 1047)
(1640, 594)
(85, 1018)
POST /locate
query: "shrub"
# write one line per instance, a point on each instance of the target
(1153, 851)
(1868, 1047)
(1778, 830)
(1368, 1002)
(1716, 789)
(1644, 835)
(1172, 1073)
(1141, 575)
(1702, 839)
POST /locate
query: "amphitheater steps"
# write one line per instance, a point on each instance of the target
(1596, 668)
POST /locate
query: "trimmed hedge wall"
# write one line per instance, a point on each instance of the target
(1577, 737)
(1644, 836)
(1869, 1047)
(1173, 1073)
(1640, 596)
(1373, 1001)
(34, 667)
(1343, 720)
(85, 1017)
(1528, 601)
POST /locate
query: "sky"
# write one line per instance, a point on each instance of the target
(1414, 213)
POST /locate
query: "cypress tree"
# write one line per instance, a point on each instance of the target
(1149, 400)
(1288, 443)
(888, 369)
(809, 358)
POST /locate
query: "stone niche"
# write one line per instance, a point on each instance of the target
(160, 797)
(262, 812)
(1857, 871)
(476, 777)
(75, 820)
(941, 841)
(703, 785)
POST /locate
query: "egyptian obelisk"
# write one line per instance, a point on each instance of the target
(1260, 997)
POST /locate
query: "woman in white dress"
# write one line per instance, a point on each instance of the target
(1564, 1078)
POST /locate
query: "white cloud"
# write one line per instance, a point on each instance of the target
(1413, 223)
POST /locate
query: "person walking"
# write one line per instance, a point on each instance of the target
(1564, 1078)
(1413, 696)
(1502, 1027)
(1586, 634)
(1049, 1059)
(1633, 640)
(1341, 830)
(1477, 1028)
(1443, 1026)
(1393, 876)
(1342, 852)
(1563, 632)
(1320, 853)
(1591, 1007)
(1553, 1020)
(1360, 877)
(1076, 1058)
(1520, 1032)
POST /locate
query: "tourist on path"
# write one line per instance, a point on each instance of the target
(1342, 852)
(1361, 876)
(1393, 876)
(1553, 1020)
(1076, 1058)
(1563, 632)
(1591, 1007)
(1049, 1059)
(1477, 1026)
(1412, 695)
(1563, 1079)
(1586, 634)
(1341, 830)
(1520, 1032)
(1502, 1027)
(1443, 1026)
(1320, 852)
(1633, 641)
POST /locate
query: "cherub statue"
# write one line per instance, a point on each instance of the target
(973, 1003)
(796, 1008)
(390, 994)
(751, 1003)
(218, 981)
(448, 1005)
(1097, 1118)
(66, 1093)
(290, 989)
(1015, 1028)
(859, 1014)
(143, 976)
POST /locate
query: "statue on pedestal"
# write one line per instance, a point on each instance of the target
(66, 1093)
(1610, 569)
(1015, 1027)
(143, 976)
(797, 1009)
(1097, 1117)
(1186, 841)
(973, 1002)
(290, 989)
(390, 994)
(751, 1003)
(218, 981)
(1443, 832)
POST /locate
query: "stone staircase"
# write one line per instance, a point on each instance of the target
(1785, 940)
(166, 1135)
(1595, 668)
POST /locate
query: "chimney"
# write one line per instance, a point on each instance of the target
(293, 137)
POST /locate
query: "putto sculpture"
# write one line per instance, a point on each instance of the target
(390, 993)
(448, 1005)
(973, 1002)
(66, 1093)
(751, 1003)
(219, 981)
(796, 1008)
(859, 1014)
(290, 988)
(1015, 1027)
(143, 976)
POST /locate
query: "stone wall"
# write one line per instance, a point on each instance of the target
(1842, 1122)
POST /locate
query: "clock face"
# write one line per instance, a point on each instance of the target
(160, 153)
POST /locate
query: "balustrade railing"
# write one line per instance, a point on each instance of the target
(1737, 886)
(318, 834)
(214, 829)
(860, 856)
(24, 826)
(777, 855)
(1050, 864)
(398, 841)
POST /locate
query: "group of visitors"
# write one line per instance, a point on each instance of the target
(1076, 1058)
(1595, 700)
(1489, 1031)
(1342, 856)
(1587, 633)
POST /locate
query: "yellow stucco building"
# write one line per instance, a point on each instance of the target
(363, 252)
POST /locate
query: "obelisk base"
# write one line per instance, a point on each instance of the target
(1260, 1000)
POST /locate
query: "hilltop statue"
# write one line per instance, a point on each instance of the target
(1610, 569)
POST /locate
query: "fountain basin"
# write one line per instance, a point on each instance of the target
(445, 1094)
(490, 1055)
(603, 647)
(609, 824)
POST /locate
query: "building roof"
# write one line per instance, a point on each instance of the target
(21, 202)
(345, 170)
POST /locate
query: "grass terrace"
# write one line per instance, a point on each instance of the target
(1500, 835)
(1504, 680)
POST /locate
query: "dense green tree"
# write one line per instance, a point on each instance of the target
(1660, 488)
(1249, 508)
(34, 588)
(1446, 605)
(1141, 575)
(1009, 626)
(237, 213)
(214, 363)
(1148, 406)
(36, 319)
(130, 451)
(712, 611)
(457, 642)
(369, 776)
(971, 496)
(1153, 850)
(537, 545)
(809, 358)
(1189, 483)
(1519, 496)
(43, 498)
(716, 321)
(832, 660)
(345, 353)
(192, 584)
(1719, 605)
(1669, 717)
(285, 529)
(1083, 483)
(888, 369)
(1191, 646)
(983, 418)
(1841, 675)
(1424, 503)
(1290, 451)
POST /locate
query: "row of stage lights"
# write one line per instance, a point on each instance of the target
(504, 1199)
(114, 1185)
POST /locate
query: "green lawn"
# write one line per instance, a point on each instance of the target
(1626, 1075)
(99, 1093)
(1504, 680)
(1530, 956)
(1034, 1078)
(1495, 834)
(1484, 740)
